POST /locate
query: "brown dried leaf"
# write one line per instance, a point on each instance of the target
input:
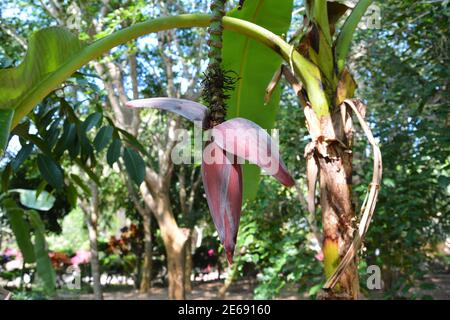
(272, 84)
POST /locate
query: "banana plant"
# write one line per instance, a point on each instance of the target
(316, 69)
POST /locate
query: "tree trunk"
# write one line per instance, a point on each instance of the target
(175, 265)
(338, 213)
(337, 219)
(95, 263)
(146, 278)
(91, 217)
(174, 240)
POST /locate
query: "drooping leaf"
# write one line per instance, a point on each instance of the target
(45, 120)
(255, 65)
(103, 137)
(88, 171)
(44, 266)
(134, 164)
(6, 116)
(68, 110)
(133, 141)
(67, 138)
(51, 135)
(41, 186)
(86, 148)
(72, 195)
(222, 180)
(113, 153)
(29, 198)
(79, 182)
(249, 141)
(6, 175)
(75, 148)
(21, 156)
(50, 171)
(20, 229)
(388, 182)
(22, 130)
(48, 50)
(91, 121)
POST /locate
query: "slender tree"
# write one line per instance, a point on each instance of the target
(90, 208)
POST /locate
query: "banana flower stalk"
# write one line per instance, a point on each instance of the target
(229, 143)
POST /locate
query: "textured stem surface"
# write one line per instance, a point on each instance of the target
(214, 82)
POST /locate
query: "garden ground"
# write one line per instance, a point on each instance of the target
(243, 290)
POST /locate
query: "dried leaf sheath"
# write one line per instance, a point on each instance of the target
(222, 180)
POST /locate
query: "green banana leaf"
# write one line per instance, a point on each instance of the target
(6, 116)
(255, 65)
(20, 228)
(48, 50)
(44, 267)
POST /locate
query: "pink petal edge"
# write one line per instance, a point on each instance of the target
(249, 141)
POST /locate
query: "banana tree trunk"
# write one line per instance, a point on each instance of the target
(323, 86)
(338, 212)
